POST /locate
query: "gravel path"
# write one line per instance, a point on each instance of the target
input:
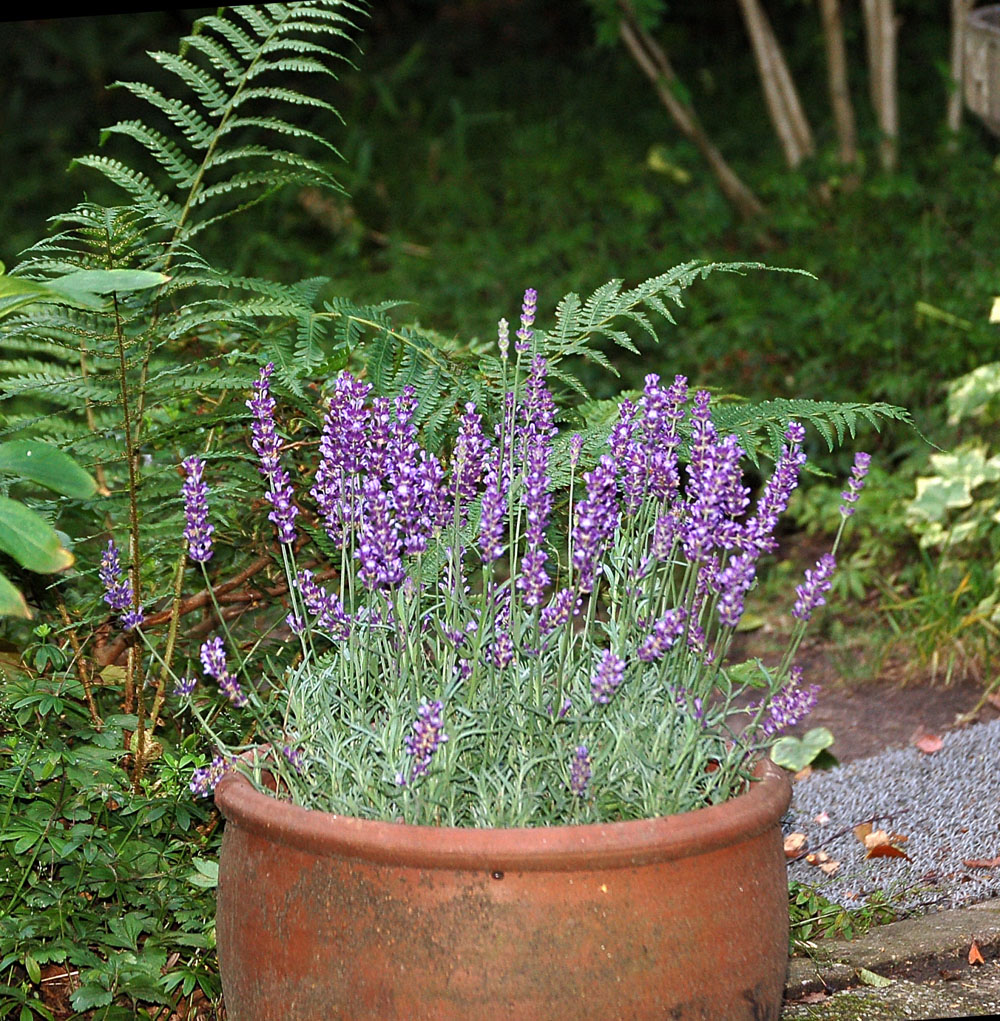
(947, 804)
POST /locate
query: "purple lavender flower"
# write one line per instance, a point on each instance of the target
(810, 592)
(378, 545)
(758, 532)
(184, 686)
(732, 583)
(525, 332)
(118, 592)
(496, 485)
(663, 636)
(468, 457)
(561, 606)
(662, 412)
(538, 412)
(205, 779)
(342, 445)
(267, 445)
(295, 757)
(790, 705)
(607, 677)
(197, 529)
(579, 772)
(213, 662)
(665, 532)
(424, 741)
(501, 650)
(856, 483)
(327, 610)
(716, 494)
(595, 522)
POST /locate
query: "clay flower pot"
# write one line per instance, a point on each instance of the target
(323, 916)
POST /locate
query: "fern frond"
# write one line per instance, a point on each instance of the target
(180, 168)
(753, 422)
(211, 95)
(193, 126)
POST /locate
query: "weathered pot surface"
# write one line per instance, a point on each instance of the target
(323, 916)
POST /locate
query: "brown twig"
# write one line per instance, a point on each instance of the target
(81, 666)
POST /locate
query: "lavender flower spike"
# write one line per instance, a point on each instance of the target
(790, 705)
(855, 484)
(424, 741)
(525, 332)
(205, 779)
(118, 593)
(213, 661)
(579, 772)
(810, 592)
(267, 445)
(607, 677)
(197, 529)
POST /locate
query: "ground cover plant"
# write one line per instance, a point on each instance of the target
(107, 865)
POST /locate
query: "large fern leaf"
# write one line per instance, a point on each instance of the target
(212, 146)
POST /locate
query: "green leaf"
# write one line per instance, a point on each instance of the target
(89, 996)
(82, 287)
(33, 969)
(796, 753)
(48, 466)
(206, 874)
(751, 672)
(12, 603)
(30, 539)
(105, 281)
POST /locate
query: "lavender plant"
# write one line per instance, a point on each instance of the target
(457, 663)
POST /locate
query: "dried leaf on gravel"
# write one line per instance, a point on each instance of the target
(795, 845)
(975, 954)
(886, 851)
(881, 843)
(981, 863)
(929, 743)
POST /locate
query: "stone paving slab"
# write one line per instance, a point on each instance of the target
(925, 959)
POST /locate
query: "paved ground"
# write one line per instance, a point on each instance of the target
(915, 969)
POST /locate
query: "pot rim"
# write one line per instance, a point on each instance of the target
(539, 848)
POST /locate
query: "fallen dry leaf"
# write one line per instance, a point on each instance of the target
(886, 851)
(813, 997)
(817, 858)
(829, 868)
(880, 837)
(822, 819)
(929, 743)
(862, 830)
(981, 863)
(795, 845)
(975, 954)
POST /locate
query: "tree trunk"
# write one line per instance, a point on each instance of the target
(783, 102)
(880, 29)
(840, 96)
(959, 11)
(655, 65)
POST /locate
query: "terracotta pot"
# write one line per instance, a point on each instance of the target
(323, 916)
